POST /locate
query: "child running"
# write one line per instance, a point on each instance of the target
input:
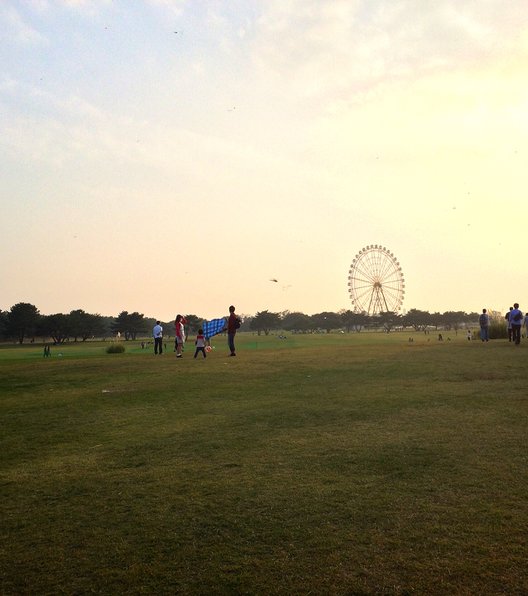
(200, 344)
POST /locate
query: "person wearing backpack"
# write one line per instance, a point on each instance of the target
(516, 318)
(233, 323)
(484, 325)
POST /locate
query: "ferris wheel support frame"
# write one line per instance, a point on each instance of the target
(376, 282)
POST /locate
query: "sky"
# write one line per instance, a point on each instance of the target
(174, 156)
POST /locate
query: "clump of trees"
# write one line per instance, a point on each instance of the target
(351, 321)
(24, 322)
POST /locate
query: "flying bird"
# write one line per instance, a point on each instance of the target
(274, 280)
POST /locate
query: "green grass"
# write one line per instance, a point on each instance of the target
(325, 464)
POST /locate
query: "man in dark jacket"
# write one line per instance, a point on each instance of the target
(233, 323)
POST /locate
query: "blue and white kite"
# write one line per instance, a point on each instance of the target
(213, 327)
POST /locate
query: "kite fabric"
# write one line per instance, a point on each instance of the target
(213, 327)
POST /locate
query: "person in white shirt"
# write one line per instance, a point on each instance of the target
(200, 343)
(179, 325)
(157, 334)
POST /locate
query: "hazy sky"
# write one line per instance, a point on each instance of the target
(173, 156)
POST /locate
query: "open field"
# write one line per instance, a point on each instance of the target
(317, 464)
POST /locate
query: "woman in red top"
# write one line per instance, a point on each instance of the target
(180, 334)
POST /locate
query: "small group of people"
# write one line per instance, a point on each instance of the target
(514, 317)
(201, 342)
(515, 322)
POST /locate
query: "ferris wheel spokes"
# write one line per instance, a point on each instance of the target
(375, 281)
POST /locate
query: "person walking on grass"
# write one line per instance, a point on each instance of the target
(484, 325)
(233, 323)
(200, 344)
(526, 325)
(157, 334)
(516, 319)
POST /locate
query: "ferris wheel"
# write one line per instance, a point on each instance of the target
(375, 281)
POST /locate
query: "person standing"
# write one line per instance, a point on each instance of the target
(157, 334)
(180, 334)
(507, 317)
(200, 344)
(516, 318)
(484, 325)
(526, 324)
(233, 323)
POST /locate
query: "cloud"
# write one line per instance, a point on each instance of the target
(91, 5)
(174, 7)
(14, 28)
(8, 85)
(315, 48)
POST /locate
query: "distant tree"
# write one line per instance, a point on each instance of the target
(436, 319)
(85, 325)
(246, 322)
(327, 320)
(3, 323)
(120, 323)
(129, 324)
(22, 321)
(76, 323)
(353, 321)
(265, 321)
(193, 324)
(472, 318)
(419, 320)
(107, 324)
(56, 326)
(296, 322)
(136, 324)
(454, 319)
(389, 320)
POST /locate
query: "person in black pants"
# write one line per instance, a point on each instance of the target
(157, 334)
(516, 319)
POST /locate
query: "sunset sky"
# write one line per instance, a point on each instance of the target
(174, 156)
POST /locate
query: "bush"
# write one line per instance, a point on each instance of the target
(498, 330)
(115, 349)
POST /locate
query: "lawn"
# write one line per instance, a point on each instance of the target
(322, 464)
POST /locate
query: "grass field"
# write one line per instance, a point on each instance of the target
(323, 464)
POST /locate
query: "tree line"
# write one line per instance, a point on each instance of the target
(351, 321)
(24, 322)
